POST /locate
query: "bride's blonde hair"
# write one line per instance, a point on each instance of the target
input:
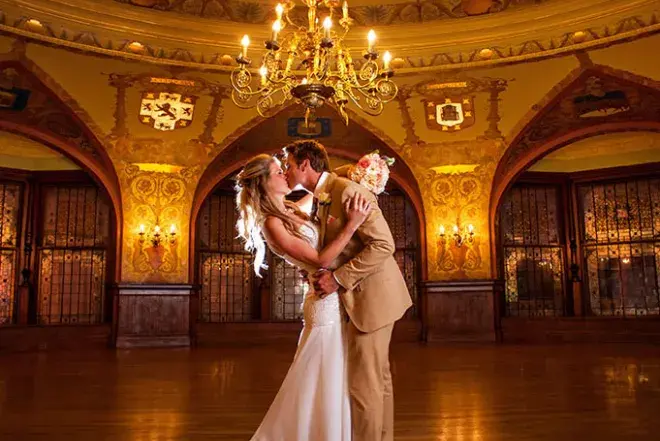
(255, 206)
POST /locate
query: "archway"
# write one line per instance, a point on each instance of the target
(345, 145)
(247, 142)
(38, 109)
(59, 235)
(50, 116)
(556, 122)
(540, 222)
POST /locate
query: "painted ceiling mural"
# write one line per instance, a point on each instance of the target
(367, 15)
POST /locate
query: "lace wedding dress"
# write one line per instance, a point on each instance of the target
(313, 402)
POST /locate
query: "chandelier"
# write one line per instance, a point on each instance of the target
(312, 65)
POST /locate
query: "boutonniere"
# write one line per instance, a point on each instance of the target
(324, 198)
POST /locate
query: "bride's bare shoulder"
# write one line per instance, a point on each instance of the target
(271, 223)
(273, 229)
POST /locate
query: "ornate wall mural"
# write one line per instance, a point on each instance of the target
(159, 174)
(156, 198)
(367, 15)
(455, 176)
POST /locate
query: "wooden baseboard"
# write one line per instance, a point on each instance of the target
(128, 341)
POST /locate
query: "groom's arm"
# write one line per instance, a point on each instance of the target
(377, 239)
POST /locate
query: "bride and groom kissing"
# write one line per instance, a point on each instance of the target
(339, 386)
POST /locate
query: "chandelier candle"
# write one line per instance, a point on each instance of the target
(319, 68)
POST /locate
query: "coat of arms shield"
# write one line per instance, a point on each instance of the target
(166, 111)
(451, 114)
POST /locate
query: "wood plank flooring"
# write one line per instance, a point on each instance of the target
(461, 393)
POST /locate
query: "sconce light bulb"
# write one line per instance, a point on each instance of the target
(172, 229)
(442, 230)
(157, 229)
(141, 228)
(470, 228)
(455, 228)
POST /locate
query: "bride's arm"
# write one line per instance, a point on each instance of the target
(276, 235)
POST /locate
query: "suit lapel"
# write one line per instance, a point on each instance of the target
(323, 220)
(324, 209)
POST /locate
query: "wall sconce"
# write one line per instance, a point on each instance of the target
(459, 238)
(156, 236)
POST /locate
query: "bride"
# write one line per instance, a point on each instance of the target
(313, 402)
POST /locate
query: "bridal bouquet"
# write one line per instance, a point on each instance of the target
(371, 171)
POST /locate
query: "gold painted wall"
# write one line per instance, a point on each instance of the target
(159, 171)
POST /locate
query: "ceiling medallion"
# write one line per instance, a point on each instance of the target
(330, 75)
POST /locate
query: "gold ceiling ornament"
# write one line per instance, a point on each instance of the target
(330, 75)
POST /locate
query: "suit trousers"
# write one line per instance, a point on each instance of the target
(370, 383)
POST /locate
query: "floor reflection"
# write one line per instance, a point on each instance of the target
(462, 393)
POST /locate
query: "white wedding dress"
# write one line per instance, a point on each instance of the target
(313, 402)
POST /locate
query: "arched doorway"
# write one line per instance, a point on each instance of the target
(572, 207)
(230, 290)
(58, 238)
(578, 231)
(278, 296)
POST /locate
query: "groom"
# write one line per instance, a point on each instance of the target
(369, 282)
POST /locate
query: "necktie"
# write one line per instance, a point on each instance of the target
(315, 209)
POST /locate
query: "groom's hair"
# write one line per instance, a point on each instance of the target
(312, 150)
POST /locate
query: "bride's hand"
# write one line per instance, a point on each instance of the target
(357, 209)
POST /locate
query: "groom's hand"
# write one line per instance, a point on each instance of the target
(325, 283)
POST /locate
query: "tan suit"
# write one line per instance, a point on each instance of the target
(375, 297)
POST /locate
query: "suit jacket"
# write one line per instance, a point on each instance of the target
(376, 292)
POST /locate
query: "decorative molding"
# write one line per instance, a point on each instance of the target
(563, 110)
(421, 11)
(412, 140)
(200, 53)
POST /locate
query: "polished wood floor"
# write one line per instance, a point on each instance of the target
(464, 393)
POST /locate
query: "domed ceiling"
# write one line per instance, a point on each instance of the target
(423, 35)
(364, 12)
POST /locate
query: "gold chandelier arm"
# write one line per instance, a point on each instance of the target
(288, 20)
(374, 110)
(329, 75)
